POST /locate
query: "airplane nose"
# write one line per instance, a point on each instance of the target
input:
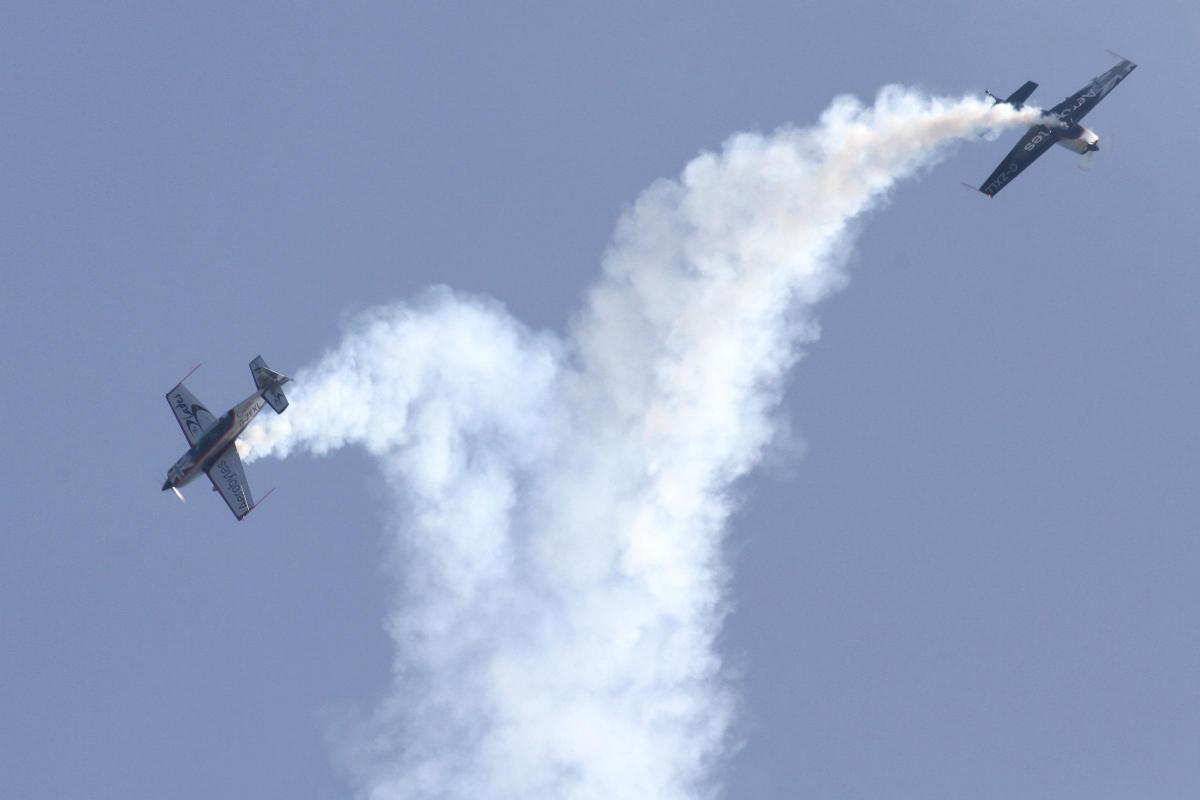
(166, 484)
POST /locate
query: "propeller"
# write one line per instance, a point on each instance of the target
(1086, 164)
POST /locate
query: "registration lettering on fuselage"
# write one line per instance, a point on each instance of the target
(247, 414)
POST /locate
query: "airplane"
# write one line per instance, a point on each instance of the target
(211, 441)
(1066, 132)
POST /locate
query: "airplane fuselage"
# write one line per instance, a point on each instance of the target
(200, 457)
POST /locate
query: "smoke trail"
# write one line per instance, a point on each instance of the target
(561, 500)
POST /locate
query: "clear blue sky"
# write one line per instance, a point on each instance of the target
(979, 581)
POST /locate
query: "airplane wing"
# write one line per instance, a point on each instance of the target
(193, 418)
(1077, 106)
(1036, 141)
(229, 479)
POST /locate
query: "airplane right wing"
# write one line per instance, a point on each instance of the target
(1036, 141)
(190, 413)
(229, 479)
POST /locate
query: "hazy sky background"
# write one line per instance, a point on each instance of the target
(978, 581)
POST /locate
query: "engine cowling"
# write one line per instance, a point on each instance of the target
(1079, 139)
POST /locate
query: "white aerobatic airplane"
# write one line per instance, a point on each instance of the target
(212, 447)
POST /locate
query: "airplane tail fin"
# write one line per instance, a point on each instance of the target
(270, 382)
(1017, 98)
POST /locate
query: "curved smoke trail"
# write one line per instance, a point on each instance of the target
(561, 500)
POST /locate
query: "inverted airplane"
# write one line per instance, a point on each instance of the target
(211, 441)
(1066, 131)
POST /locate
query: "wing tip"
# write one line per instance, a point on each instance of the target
(184, 378)
(261, 500)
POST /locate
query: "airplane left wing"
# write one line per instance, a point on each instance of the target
(1036, 141)
(229, 479)
(190, 413)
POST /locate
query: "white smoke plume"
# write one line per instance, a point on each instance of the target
(561, 500)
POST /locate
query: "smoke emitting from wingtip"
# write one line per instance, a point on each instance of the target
(561, 500)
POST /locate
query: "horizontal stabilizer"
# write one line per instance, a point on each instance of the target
(276, 399)
(1018, 98)
(269, 381)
